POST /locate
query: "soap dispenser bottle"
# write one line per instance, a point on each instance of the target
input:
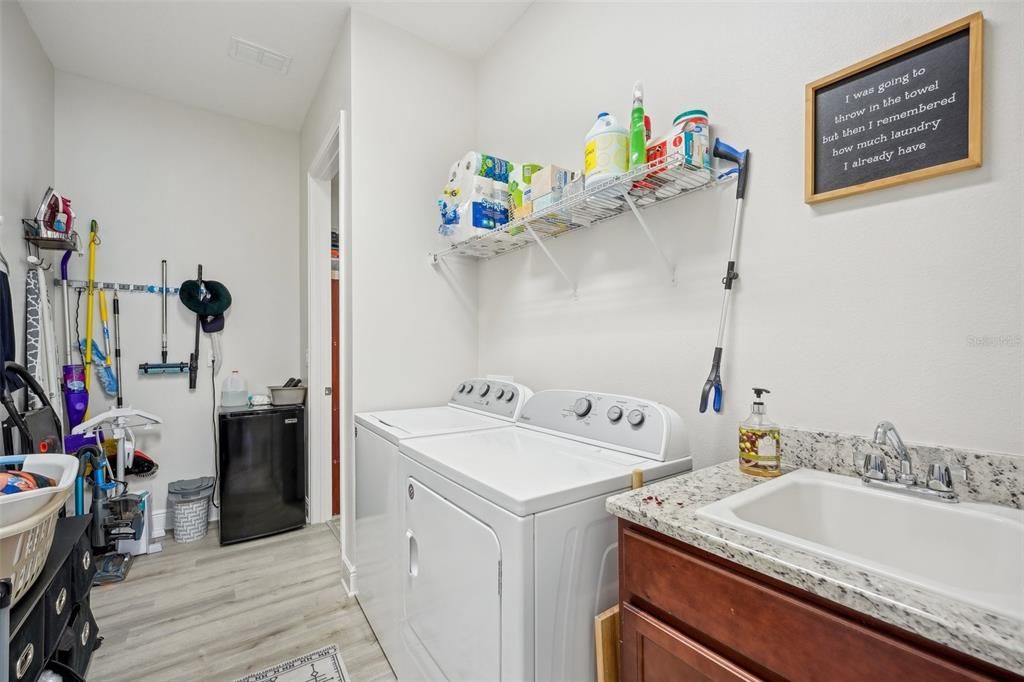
(760, 444)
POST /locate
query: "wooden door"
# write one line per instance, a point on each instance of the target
(654, 652)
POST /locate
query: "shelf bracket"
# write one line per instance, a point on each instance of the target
(547, 252)
(650, 236)
(449, 274)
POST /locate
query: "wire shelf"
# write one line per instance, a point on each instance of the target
(656, 182)
(40, 237)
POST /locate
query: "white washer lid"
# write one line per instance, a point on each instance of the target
(527, 472)
(395, 425)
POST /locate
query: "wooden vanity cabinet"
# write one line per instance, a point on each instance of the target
(688, 615)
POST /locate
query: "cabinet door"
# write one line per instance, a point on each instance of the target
(655, 652)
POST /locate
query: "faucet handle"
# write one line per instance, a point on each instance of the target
(940, 478)
(874, 467)
(906, 475)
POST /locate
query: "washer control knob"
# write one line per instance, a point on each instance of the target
(582, 407)
(635, 417)
(614, 414)
(469, 388)
(510, 396)
(500, 394)
(484, 389)
(462, 388)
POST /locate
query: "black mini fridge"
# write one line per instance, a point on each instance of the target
(262, 471)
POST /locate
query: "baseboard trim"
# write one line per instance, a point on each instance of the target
(348, 576)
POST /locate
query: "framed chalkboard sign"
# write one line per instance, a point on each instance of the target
(909, 113)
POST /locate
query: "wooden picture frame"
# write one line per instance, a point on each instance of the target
(974, 24)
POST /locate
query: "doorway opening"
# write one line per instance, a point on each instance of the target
(329, 341)
(336, 356)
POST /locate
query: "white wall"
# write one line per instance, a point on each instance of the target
(333, 94)
(851, 311)
(26, 145)
(413, 115)
(169, 181)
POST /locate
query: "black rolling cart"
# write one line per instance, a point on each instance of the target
(52, 626)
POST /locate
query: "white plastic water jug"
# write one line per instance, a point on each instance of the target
(234, 391)
(606, 153)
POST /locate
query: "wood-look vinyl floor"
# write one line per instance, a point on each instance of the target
(335, 526)
(205, 613)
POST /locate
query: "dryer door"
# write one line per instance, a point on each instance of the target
(452, 599)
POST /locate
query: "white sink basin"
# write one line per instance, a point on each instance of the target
(969, 552)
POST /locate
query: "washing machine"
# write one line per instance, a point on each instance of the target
(475, 404)
(508, 552)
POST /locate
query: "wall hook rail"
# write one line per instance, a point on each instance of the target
(81, 285)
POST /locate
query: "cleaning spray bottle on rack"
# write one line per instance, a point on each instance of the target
(637, 129)
(760, 443)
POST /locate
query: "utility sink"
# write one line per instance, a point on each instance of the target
(969, 552)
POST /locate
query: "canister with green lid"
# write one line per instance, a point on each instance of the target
(688, 119)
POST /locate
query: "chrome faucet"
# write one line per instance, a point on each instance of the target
(885, 432)
(876, 475)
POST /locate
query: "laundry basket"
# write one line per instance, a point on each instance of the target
(190, 501)
(28, 519)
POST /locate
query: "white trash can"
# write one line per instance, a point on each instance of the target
(190, 501)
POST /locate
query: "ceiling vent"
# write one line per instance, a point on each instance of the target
(251, 53)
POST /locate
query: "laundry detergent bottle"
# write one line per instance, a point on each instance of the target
(606, 154)
(760, 442)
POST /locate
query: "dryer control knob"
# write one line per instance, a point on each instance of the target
(614, 413)
(635, 417)
(469, 388)
(462, 388)
(582, 407)
(500, 394)
(484, 389)
(510, 396)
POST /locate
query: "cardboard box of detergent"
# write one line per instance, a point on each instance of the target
(519, 179)
(546, 180)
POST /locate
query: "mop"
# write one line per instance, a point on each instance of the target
(714, 381)
(104, 370)
(94, 240)
(139, 464)
(76, 398)
(163, 367)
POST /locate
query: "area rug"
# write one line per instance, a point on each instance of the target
(322, 665)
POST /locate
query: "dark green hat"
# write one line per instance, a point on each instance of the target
(206, 298)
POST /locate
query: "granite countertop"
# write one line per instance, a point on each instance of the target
(991, 637)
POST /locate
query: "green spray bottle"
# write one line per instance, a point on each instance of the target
(637, 130)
